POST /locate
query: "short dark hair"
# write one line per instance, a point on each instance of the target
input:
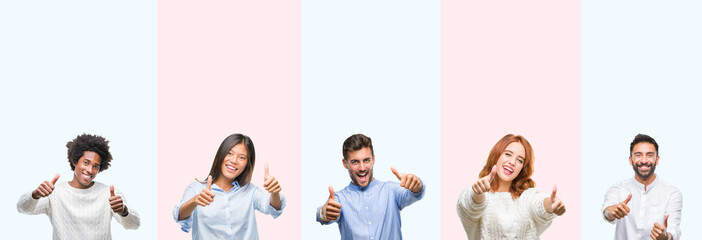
(643, 138)
(227, 144)
(356, 142)
(88, 142)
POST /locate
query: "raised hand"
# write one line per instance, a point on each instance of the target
(45, 188)
(620, 210)
(116, 203)
(659, 231)
(331, 209)
(409, 181)
(269, 182)
(557, 205)
(206, 196)
(483, 184)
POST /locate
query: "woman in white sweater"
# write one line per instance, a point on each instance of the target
(503, 203)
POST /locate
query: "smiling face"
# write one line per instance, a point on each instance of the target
(234, 162)
(86, 169)
(510, 164)
(360, 166)
(644, 160)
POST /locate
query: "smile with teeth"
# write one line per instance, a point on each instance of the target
(231, 168)
(362, 175)
(508, 170)
(86, 176)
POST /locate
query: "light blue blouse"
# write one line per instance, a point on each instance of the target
(230, 216)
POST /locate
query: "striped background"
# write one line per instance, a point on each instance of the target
(434, 83)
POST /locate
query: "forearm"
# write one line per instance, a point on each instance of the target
(275, 201)
(187, 209)
(27, 204)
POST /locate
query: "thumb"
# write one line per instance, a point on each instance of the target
(53, 182)
(112, 190)
(665, 220)
(331, 193)
(397, 174)
(265, 171)
(493, 172)
(209, 182)
(626, 201)
(553, 194)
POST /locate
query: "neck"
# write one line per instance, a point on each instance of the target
(75, 184)
(503, 186)
(224, 184)
(646, 181)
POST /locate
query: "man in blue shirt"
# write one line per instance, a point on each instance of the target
(368, 208)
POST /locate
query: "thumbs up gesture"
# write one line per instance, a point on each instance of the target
(409, 181)
(331, 209)
(206, 196)
(45, 188)
(620, 210)
(556, 204)
(658, 232)
(270, 183)
(116, 203)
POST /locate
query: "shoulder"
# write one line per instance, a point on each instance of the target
(668, 187)
(196, 185)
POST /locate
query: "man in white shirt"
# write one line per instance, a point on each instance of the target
(81, 208)
(644, 207)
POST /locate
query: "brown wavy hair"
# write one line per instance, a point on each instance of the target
(523, 181)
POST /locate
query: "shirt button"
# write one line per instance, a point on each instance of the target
(369, 223)
(366, 207)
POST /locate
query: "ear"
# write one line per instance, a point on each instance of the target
(343, 161)
(630, 163)
(373, 160)
(658, 158)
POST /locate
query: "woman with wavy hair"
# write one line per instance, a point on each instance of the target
(503, 203)
(223, 206)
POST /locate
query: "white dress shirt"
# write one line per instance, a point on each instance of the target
(648, 206)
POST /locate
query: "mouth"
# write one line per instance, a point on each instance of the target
(644, 167)
(362, 177)
(507, 170)
(232, 168)
(87, 177)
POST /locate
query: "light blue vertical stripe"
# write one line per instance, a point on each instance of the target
(68, 67)
(641, 74)
(371, 67)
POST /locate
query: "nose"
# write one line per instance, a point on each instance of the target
(363, 166)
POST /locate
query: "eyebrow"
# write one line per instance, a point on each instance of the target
(236, 153)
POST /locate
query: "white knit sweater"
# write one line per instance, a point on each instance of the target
(79, 213)
(501, 217)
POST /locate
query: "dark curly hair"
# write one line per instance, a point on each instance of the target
(87, 142)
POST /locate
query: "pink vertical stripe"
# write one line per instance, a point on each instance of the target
(511, 67)
(226, 67)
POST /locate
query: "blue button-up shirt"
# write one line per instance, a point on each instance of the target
(373, 212)
(231, 215)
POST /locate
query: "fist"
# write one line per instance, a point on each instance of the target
(270, 183)
(331, 209)
(45, 188)
(658, 232)
(408, 181)
(116, 203)
(206, 196)
(483, 184)
(620, 210)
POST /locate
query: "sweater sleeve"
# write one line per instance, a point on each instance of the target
(535, 201)
(31, 206)
(132, 220)
(470, 212)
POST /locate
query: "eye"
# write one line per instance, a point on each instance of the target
(520, 160)
(230, 153)
(366, 160)
(508, 154)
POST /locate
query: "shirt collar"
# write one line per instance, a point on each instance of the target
(235, 187)
(355, 187)
(642, 188)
